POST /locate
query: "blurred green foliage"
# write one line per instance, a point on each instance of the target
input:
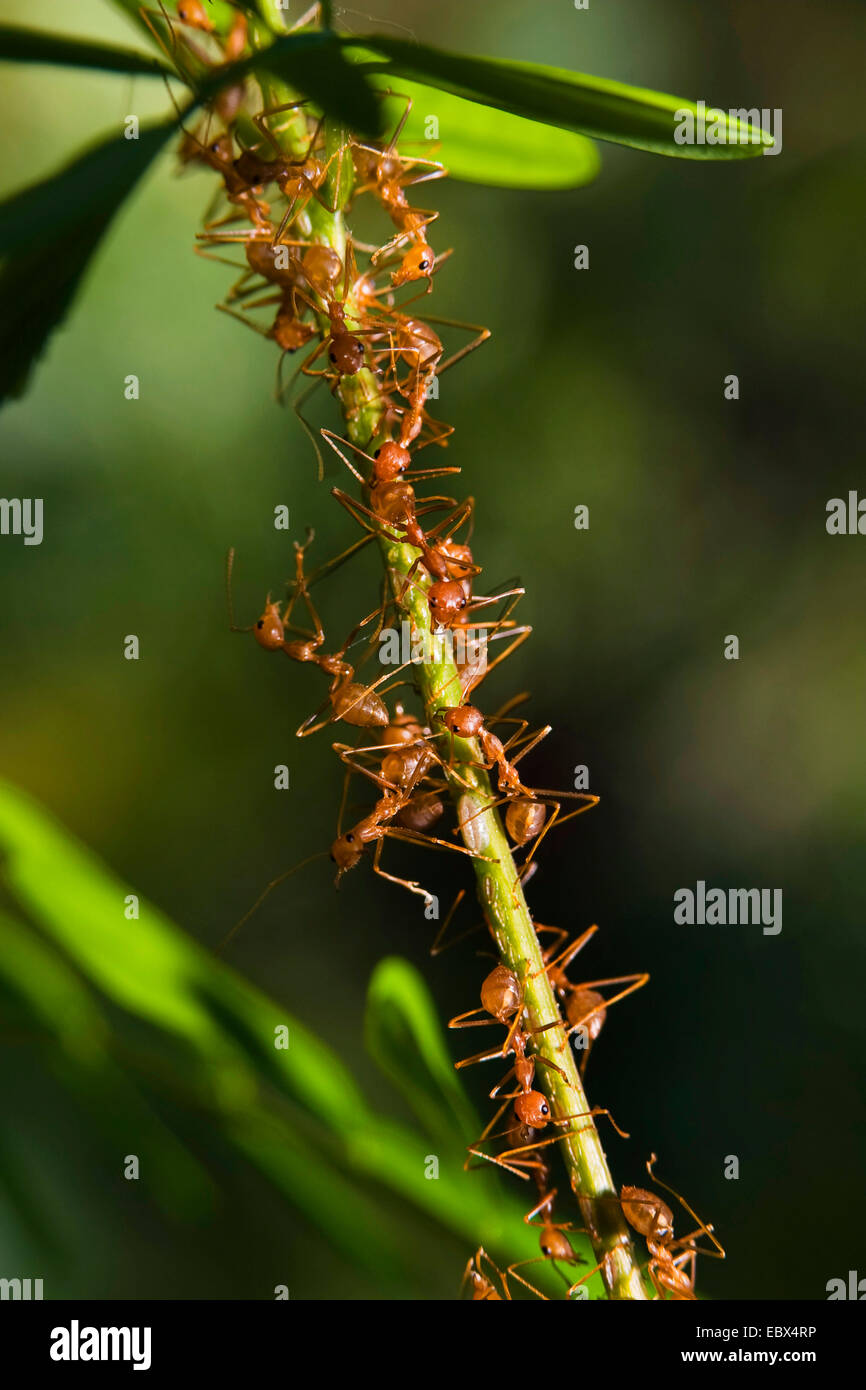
(707, 518)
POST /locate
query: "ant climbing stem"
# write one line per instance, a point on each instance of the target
(302, 282)
(556, 1248)
(483, 1285)
(673, 1263)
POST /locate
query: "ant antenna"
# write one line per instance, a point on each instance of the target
(275, 883)
(230, 562)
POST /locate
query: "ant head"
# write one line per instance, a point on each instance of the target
(647, 1213)
(532, 1109)
(347, 850)
(346, 353)
(416, 264)
(392, 459)
(447, 600)
(269, 631)
(220, 150)
(193, 13)
(555, 1244)
(463, 720)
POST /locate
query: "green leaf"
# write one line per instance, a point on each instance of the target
(295, 1113)
(316, 66)
(478, 144)
(594, 106)
(48, 235)
(19, 45)
(404, 1036)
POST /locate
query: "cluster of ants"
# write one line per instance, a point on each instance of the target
(349, 322)
(672, 1263)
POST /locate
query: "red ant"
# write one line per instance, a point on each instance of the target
(584, 1007)
(556, 1248)
(526, 817)
(669, 1258)
(502, 994)
(350, 701)
(349, 846)
(387, 175)
(482, 1285)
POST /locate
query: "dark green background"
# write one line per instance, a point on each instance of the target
(707, 518)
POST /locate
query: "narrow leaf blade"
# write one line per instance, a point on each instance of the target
(478, 144)
(19, 45)
(48, 235)
(594, 106)
(404, 1036)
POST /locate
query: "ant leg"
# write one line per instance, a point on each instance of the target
(511, 1273)
(582, 1280)
(242, 318)
(558, 1138)
(708, 1230)
(512, 1168)
(479, 329)
(305, 424)
(331, 438)
(564, 959)
(415, 837)
(437, 948)
(634, 982)
(221, 260)
(358, 511)
(338, 560)
(409, 884)
(274, 883)
(556, 818)
(260, 119)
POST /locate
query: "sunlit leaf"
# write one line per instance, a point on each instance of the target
(479, 144)
(404, 1035)
(48, 235)
(594, 106)
(295, 1112)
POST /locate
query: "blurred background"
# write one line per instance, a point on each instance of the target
(707, 518)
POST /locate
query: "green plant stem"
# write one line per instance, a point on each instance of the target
(498, 884)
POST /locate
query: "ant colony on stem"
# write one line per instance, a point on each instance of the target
(444, 768)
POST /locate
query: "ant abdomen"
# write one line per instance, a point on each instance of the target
(586, 1007)
(647, 1213)
(422, 812)
(358, 705)
(524, 819)
(322, 268)
(500, 993)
